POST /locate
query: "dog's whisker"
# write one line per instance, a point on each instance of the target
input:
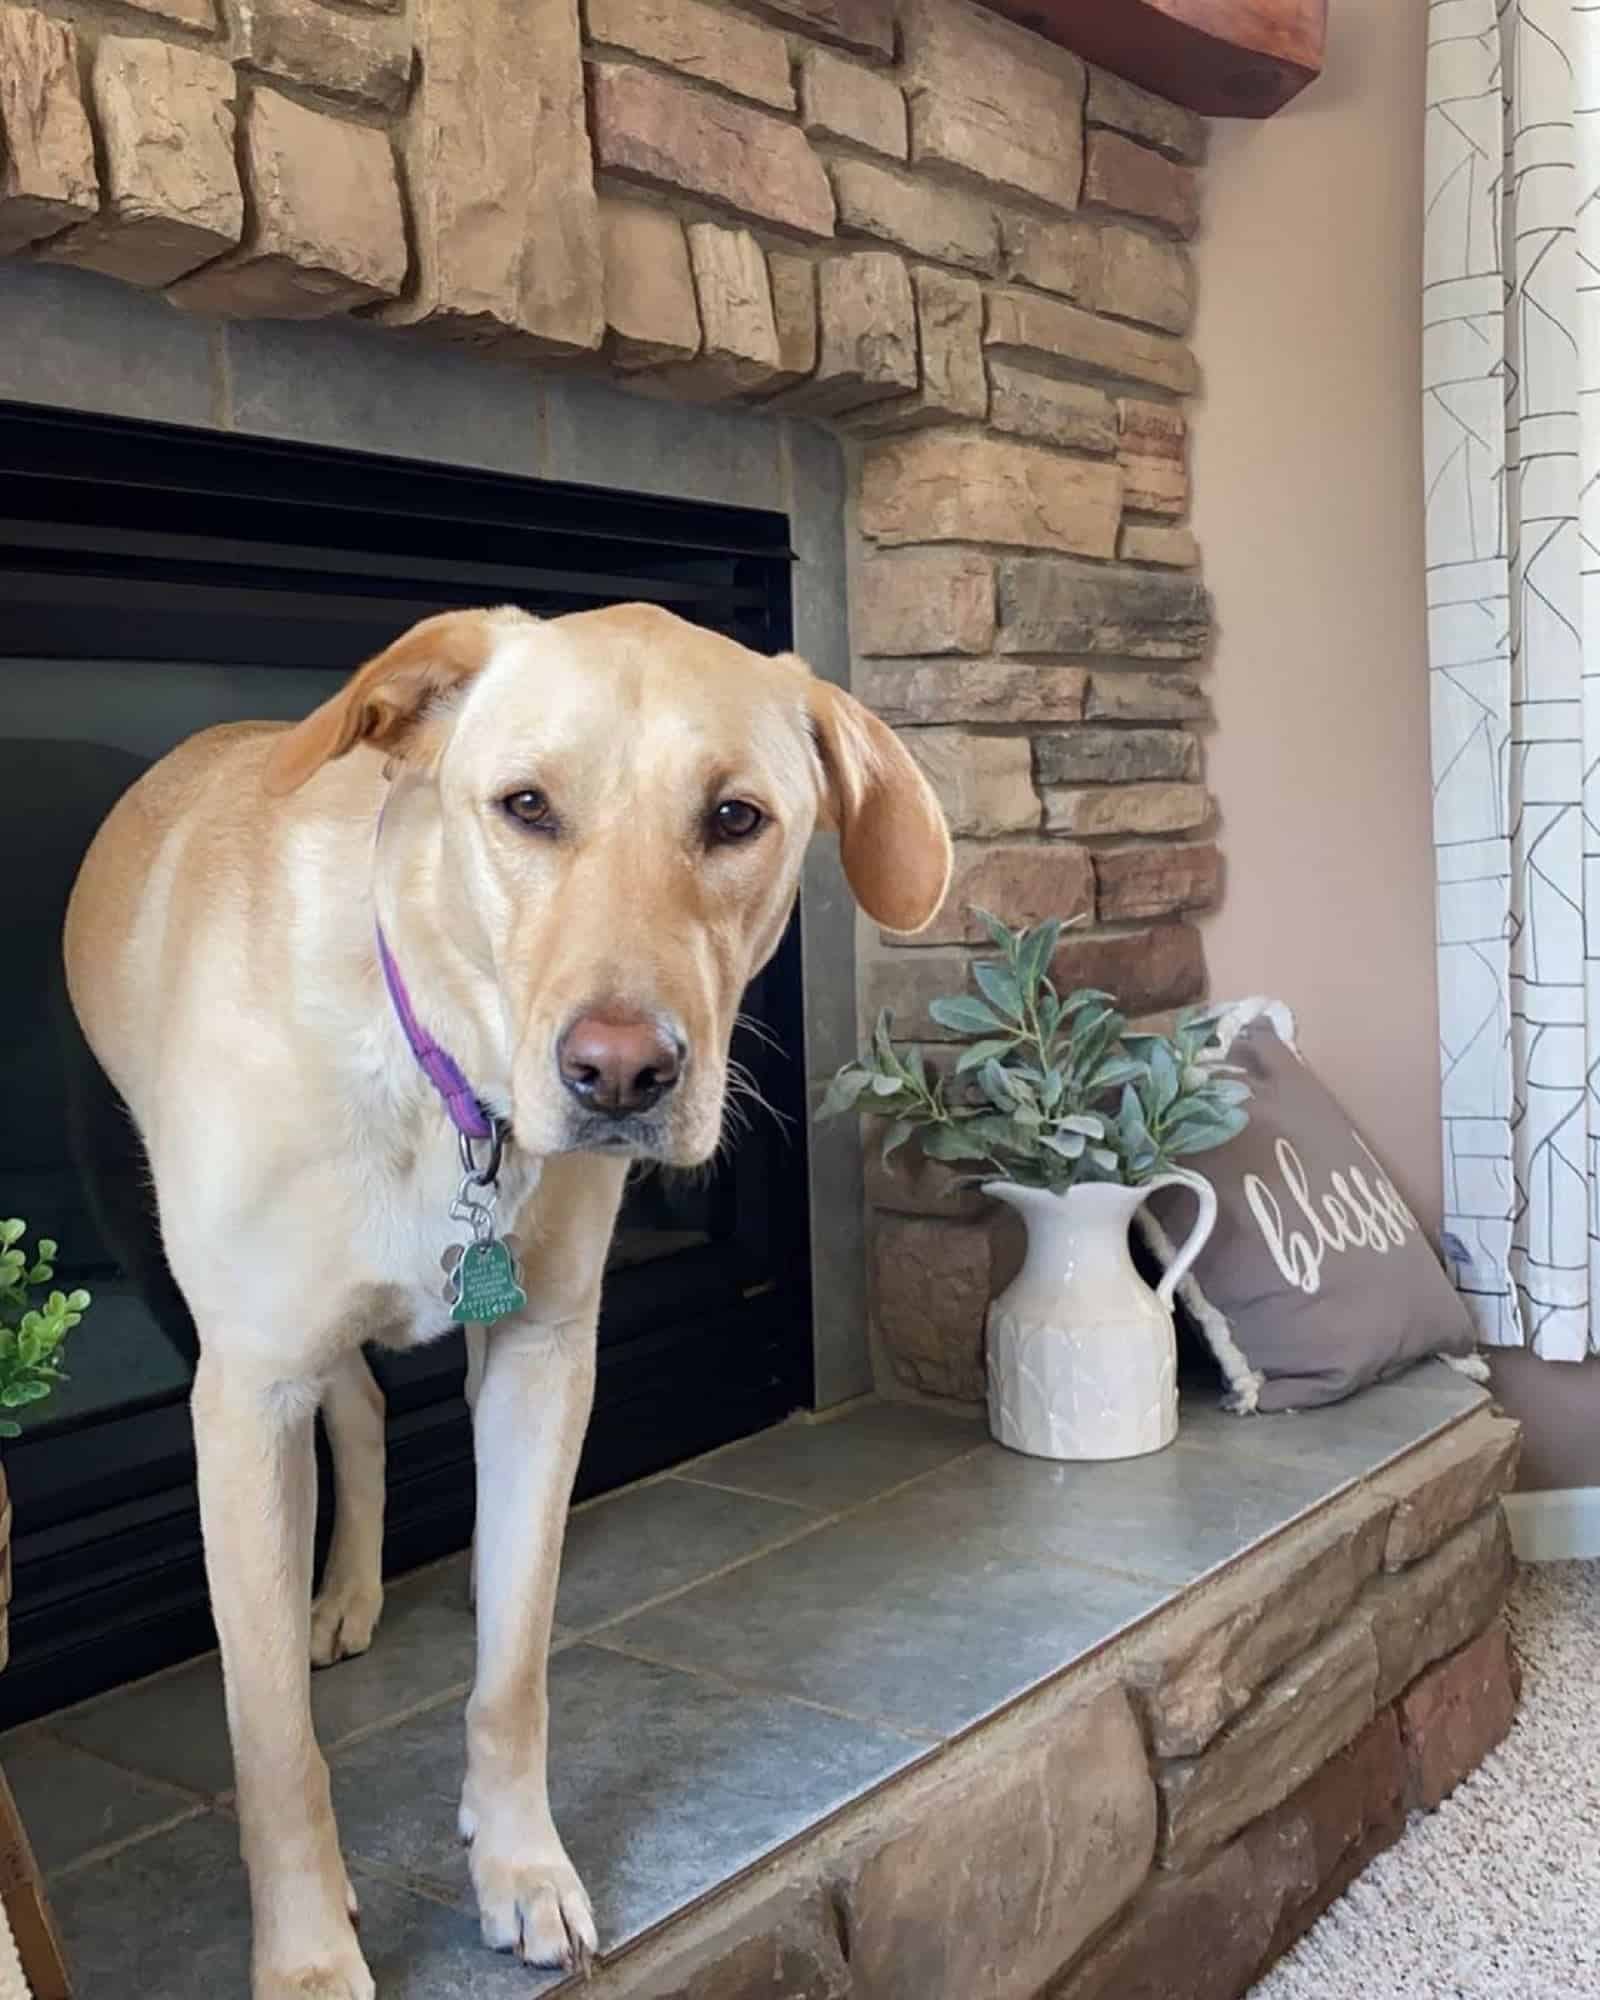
(761, 1032)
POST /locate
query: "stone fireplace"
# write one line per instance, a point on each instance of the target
(909, 273)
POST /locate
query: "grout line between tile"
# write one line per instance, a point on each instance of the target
(579, 1634)
(737, 1684)
(807, 1528)
(424, 1705)
(59, 1741)
(112, 1848)
(855, 1506)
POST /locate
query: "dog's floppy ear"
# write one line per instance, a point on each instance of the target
(892, 836)
(385, 701)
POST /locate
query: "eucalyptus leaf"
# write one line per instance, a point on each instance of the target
(980, 1053)
(896, 1136)
(999, 987)
(843, 1091)
(966, 1015)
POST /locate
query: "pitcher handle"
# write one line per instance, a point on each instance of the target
(1197, 1238)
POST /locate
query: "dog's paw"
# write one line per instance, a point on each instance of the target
(530, 1900)
(344, 1617)
(338, 1972)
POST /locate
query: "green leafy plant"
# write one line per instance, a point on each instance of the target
(33, 1323)
(1051, 1090)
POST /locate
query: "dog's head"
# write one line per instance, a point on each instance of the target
(612, 809)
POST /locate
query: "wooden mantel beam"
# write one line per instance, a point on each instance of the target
(1225, 58)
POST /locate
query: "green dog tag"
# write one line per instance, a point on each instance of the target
(484, 1284)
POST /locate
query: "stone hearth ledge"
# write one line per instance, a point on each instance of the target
(868, 1709)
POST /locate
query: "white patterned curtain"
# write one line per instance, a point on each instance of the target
(1511, 429)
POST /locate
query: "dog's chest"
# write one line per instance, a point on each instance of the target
(406, 1240)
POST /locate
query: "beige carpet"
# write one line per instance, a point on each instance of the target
(1497, 1895)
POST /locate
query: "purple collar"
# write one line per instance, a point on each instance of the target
(461, 1101)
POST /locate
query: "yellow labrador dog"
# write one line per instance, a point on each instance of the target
(500, 895)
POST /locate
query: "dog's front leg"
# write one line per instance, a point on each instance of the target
(530, 1412)
(253, 1441)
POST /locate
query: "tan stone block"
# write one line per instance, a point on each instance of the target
(47, 171)
(200, 14)
(710, 43)
(1153, 454)
(787, 1947)
(1024, 404)
(1145, 542)
(1020, 884)
(950, 320)
(1126, 108)
(651, 315)
(1440, 1488)
(1027, 325)
(1456, 1713)
(794, 312)
(1119, 173)
(1321, 1701)
(1437, 1605)
(924, 601)
(994, 101)
(934, 221)
(936, 488)
(1054, 1839)
(950, 136)
(1157, 881)
(506, 224)
(1204, 1663)
(171, 192)
(1349, 1811)
(841, 100)
(1048, 605)
(929, 1291)
(1095, 756)
(1207, 1933)
(867, 25)
(324, 227)
(904, 983)
(1105, 267)
(984, 783)
(952, 380)
(1146, 970)
(1152, 430)
(654, 128)
(1153, 485)
(344, 55)
(739, 336)
(1100, 809)
(1124, 696)
(867, 334)
(921, 691)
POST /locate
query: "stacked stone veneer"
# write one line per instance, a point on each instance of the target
(920, 224)
(1161, 1824)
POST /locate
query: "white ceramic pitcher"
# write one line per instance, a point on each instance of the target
(1083, 1362)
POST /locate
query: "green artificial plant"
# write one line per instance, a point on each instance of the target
(1051, 1090)
(33, 1323)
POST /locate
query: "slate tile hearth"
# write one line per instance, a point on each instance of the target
(746, 1645)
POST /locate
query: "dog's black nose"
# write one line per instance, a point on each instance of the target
(618, 1063)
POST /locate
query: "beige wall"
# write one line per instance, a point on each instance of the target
(1308, 503)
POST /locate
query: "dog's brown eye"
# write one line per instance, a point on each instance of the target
(737, 819)
(529, 808)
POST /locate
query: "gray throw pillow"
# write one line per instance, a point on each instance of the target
(1318, 1270)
